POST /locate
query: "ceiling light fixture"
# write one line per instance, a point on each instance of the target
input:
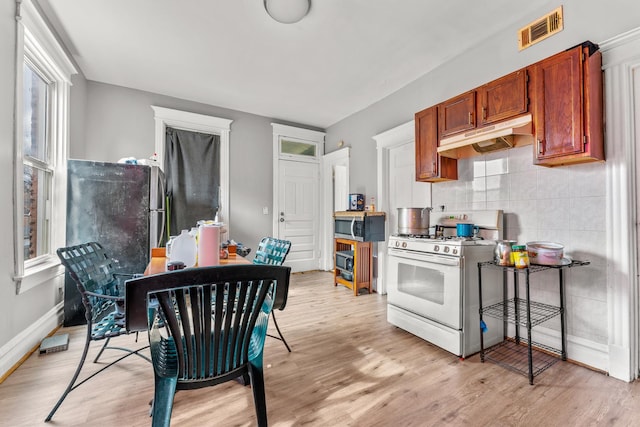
(287, 11)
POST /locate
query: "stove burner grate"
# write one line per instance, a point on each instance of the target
(415, 236)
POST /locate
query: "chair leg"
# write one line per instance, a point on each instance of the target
(257, 387)
(281, 338)
(75, 376)
(106, 343)
(165, 389)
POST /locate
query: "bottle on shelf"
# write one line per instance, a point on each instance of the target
(520, 256)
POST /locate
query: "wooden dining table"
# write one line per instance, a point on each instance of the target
(136, 307)
(158, 262)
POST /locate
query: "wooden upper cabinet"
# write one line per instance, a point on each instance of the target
(499, 100)
(503, 98)
(566, 101)
(457, 114)
(430, 167)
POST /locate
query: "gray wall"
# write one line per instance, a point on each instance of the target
(118, 122)
(17, 312)
(7, 87)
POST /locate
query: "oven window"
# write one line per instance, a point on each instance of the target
(421, 282)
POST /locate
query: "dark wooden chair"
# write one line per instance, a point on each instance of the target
(206, 326)
(272, 251)
(102, 290)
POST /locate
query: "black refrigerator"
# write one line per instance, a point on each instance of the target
(120, 206)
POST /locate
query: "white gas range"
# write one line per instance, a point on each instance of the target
(432, 282)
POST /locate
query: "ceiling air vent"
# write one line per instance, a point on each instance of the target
(540, 29)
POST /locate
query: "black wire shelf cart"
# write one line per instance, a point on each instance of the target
(522, 354)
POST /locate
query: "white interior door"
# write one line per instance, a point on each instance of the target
(297, 214)
(297, 154)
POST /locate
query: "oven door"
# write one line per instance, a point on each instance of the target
(427, 285)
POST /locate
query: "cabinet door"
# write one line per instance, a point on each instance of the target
(429, 165)
(457, 114)
(426, 144)
(503, 98)
(557, 102)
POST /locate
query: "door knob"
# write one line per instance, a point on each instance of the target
(281, 219)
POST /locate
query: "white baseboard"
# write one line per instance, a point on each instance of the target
(21, 344)
(580, 350)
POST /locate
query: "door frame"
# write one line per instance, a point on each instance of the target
(621, 65)
(329, 162)
(385, 141)
(306, 135)
(194, 122)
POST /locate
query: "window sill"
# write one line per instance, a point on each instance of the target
(38, 275)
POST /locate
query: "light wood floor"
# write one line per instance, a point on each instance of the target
(349, 367)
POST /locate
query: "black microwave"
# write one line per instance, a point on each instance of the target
(360, 226)
(344, 260)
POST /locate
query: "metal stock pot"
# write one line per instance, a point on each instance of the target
(413, 221)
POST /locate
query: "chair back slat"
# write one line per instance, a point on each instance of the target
(272, 251)
(215, 322)
(90, 268)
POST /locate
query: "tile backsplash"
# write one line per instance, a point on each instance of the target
(563, 204)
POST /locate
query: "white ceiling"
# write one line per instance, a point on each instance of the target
(342, 57)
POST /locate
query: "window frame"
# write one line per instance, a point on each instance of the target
(36, 44)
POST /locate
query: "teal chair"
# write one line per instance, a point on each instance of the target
(272, 251)
(206, 326)
(101, 286)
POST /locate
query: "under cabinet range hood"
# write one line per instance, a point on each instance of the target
(488, 138)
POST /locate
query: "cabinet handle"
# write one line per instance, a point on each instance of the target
(540, 147)
(470, 117)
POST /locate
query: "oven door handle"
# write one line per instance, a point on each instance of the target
(425, 257)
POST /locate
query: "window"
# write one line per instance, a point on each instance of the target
(298, 148)
(43, 74)
(36, 165)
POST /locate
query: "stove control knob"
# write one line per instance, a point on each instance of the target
(446, 249)
(397, 244)
(455, 251)
(436, 248)
(404, 244)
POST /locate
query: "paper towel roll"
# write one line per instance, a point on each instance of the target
(208, 245)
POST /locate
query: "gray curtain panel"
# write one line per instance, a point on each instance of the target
(192, 169)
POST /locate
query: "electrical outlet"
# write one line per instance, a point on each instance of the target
(265, 210)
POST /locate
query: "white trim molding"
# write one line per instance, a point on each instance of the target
(36, 43)
(385, 141)
(621, 64)
(296, 132)
(197, 123)
(329, 162)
